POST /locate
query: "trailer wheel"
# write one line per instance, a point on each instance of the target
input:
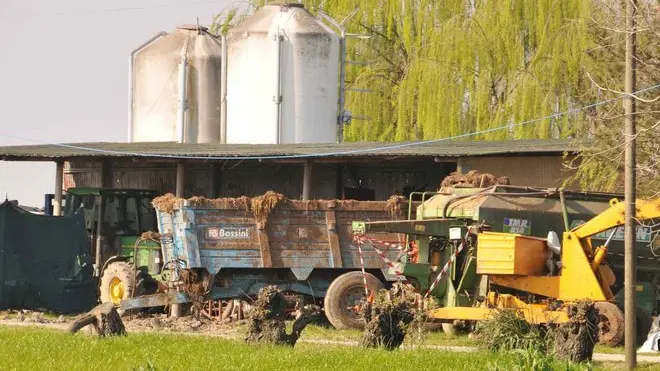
(611, 328)
(117, 282)
(343, 295)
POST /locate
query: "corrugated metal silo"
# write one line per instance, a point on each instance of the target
(282, 83)
(156, 77)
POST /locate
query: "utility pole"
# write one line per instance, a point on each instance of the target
(630, 194)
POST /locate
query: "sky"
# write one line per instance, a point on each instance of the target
(64, 74)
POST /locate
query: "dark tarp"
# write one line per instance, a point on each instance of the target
(45, 262)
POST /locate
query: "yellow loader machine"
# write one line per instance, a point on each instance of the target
(472, 265)
(583, 272)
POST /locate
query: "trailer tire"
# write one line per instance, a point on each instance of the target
(611, 327)
(344, 292)
(117, 282)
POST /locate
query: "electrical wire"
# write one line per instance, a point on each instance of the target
(327, 154)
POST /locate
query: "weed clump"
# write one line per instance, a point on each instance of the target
(266, 323)
(389, 316)
(572, 341)
(508, 330)
(196, 283)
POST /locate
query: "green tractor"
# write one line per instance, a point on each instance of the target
(125, 263)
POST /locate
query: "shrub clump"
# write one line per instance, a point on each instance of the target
(389, 316)
(572, 341)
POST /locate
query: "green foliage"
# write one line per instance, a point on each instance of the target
(508, 330)
(46, 349)
(533, 359)
(444, 68)
(148, 367)
(600, 166)
(222, 22)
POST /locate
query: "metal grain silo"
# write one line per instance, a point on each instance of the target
(175, 88)
(282, 78)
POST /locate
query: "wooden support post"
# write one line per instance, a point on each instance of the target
(216, 180)
(340, 182)
(307, 181)
(59, 184)
(180, 179)
(104, 173)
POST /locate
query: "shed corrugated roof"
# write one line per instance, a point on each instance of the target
(347, 149)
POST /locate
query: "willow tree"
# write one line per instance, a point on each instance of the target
(600, 166)
(447, 68)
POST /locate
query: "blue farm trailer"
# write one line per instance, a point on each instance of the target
(214, 250)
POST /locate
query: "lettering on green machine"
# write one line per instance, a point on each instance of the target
(518, 226)
(644, 233)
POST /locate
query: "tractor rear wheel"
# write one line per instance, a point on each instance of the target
(344, 295)
(117, 282)
(611, 327)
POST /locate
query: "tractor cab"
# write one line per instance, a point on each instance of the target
(124, 214)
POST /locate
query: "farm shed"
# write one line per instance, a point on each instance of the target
(300, 171)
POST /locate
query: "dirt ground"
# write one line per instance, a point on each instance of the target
(133, 323)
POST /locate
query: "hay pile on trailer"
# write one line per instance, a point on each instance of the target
(267, 319)
(396, 207)
(167, 203)
(390, 316)
(262, 206)
(473, 179)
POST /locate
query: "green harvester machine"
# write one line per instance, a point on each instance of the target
(442, 221)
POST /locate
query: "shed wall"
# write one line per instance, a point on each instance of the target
(533, 171)
(253, 178)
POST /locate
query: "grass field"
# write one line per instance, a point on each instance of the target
(30, 348)
(34, 348)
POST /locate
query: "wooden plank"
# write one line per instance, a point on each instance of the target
(264, 246)
(335, 249)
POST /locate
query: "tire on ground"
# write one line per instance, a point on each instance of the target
(344, 287)
(117, 282)
(611, 327)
